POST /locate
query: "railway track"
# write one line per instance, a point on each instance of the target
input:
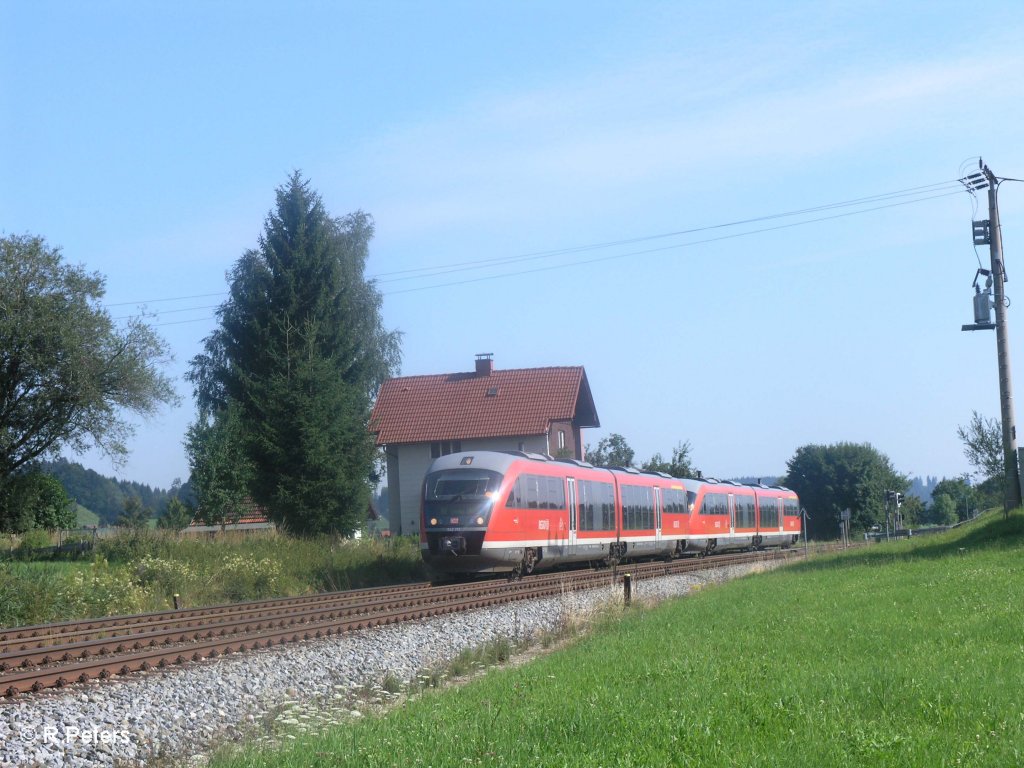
(37, 658)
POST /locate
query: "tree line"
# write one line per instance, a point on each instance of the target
(855, 476)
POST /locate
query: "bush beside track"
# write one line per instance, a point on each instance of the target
(903, 654)
(141, 571)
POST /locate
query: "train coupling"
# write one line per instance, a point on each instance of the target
(453, 545)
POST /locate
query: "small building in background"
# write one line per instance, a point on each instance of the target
(418, 418)
(252, 518)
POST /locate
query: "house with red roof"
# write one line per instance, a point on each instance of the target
(418, 418)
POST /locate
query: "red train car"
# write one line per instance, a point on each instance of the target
(489, 511)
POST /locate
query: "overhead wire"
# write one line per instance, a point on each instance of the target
(916, 194)
(663, 248)
(483, 263)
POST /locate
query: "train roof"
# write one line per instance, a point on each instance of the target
(501, 461)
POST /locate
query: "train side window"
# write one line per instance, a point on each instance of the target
(585, 495)
(555, 493)
(532, 492)
(637, 508)
(537, 492)
(515, 494)
(585, 508)
(607, 497)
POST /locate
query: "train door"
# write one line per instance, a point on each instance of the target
(573, 523)
(732, 513)
(657, 514)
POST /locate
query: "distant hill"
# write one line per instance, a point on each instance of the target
(104, 497)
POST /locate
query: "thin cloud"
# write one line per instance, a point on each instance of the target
(516, 155)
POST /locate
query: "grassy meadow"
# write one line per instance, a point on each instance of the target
(901, 654)
(142, 571)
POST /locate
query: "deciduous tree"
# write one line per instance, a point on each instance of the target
(831, 478)
(960, 491)
(222, 472)
(68, 374)
(679, 466)
(611, 451)
(943, 510)
(34, 500)
(983, 445)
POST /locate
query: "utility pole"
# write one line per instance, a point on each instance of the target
(988, 232)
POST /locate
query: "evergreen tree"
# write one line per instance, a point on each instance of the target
(135, 514)
(300, 353)
(177, 515)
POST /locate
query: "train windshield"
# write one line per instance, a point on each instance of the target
(457, 485)
(459, 496)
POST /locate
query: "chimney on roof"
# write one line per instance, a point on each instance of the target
(484, 363)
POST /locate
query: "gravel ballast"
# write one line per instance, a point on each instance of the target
(180, 713)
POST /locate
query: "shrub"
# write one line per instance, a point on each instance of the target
(101, 590)
(242, 577)
(34, 593)
(30, 542)
(169, 577)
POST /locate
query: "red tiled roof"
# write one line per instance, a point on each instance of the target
(251, 514)
(457, 406)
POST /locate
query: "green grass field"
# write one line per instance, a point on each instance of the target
(903, 654)
(85, 517)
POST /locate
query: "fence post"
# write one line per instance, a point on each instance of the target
(627, 588)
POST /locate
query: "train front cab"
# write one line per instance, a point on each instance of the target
(457, 505)
(499, 512)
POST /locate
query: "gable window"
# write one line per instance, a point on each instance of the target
(561, 439)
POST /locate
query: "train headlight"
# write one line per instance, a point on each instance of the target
(479, 521)
(433, 521)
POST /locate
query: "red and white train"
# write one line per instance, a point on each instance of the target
(487, 511)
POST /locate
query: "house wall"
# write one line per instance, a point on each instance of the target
(394, 490)
(572, 439)
(408, 464)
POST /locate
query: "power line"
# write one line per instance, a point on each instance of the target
(168, 311)
(666, 247)
(917, 194)
(176, 298)
(481, 263)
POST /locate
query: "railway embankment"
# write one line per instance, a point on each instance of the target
(900, 654)
(169, 715)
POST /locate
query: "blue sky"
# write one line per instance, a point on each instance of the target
(147, 139)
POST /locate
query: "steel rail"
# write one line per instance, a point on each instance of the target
(316, 617)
